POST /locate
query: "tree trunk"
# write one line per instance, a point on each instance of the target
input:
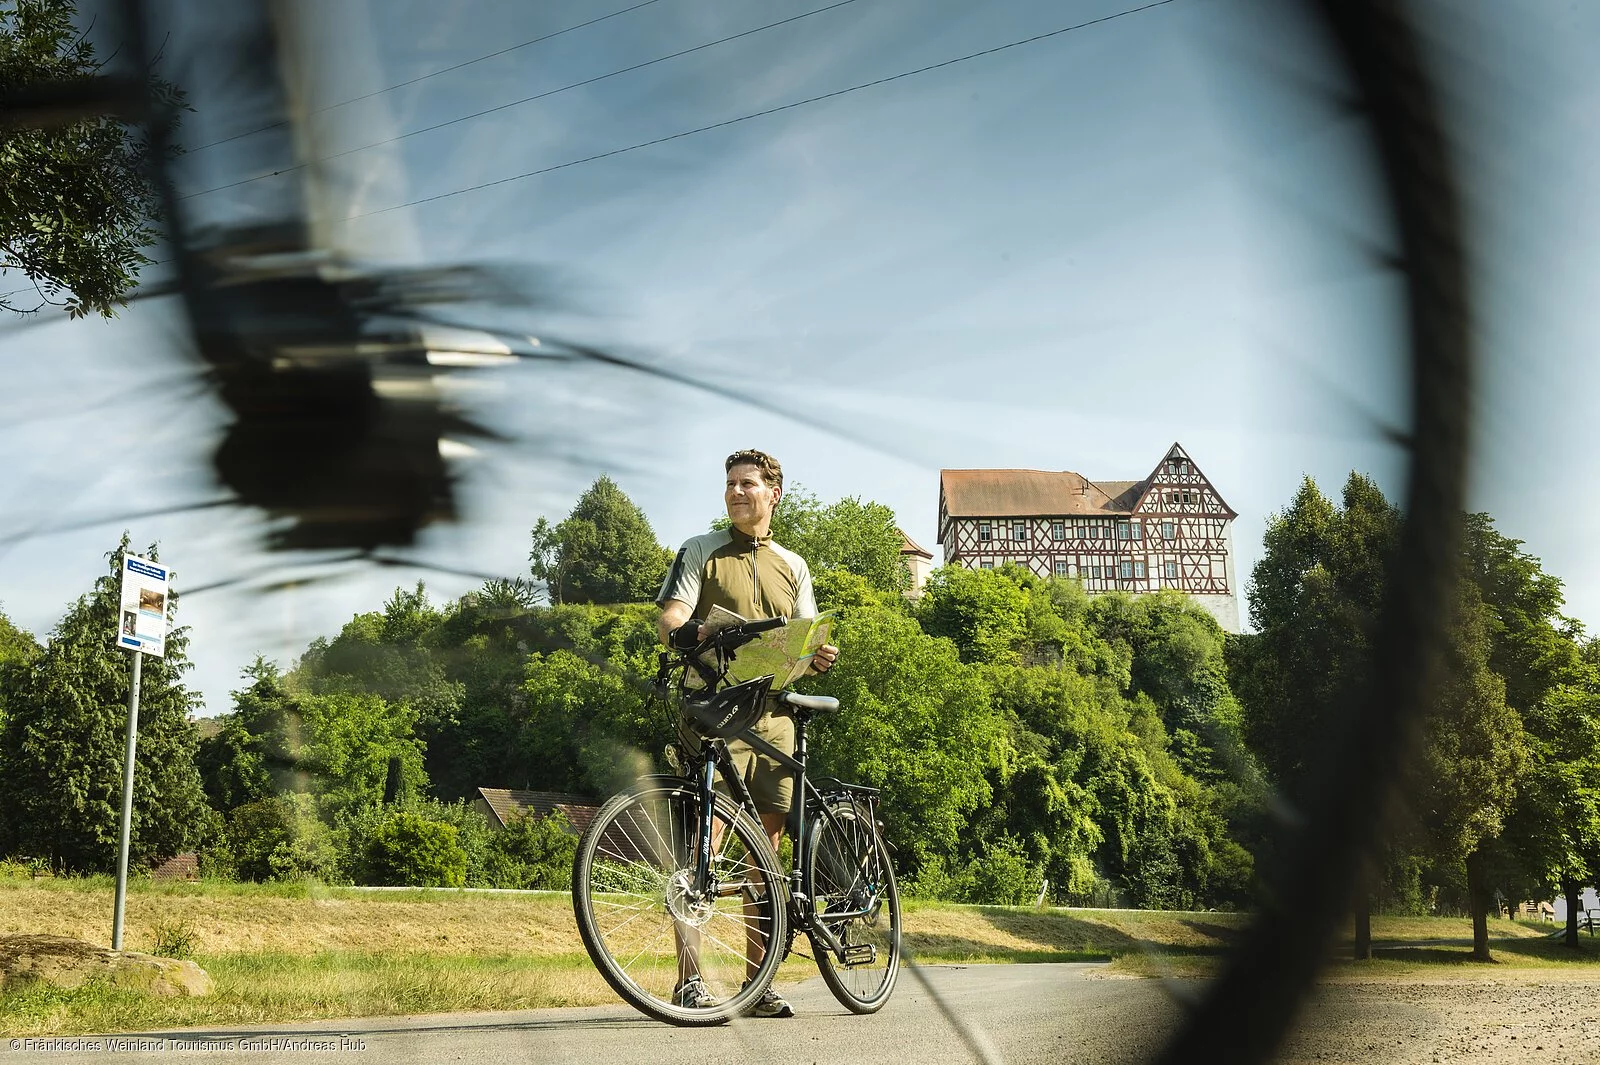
(1363, 951)
(1574, 895)
(1478, 901)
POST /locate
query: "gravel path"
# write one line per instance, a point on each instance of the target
(1534, 1017)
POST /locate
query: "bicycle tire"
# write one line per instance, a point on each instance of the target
(628, 878)
(849, 869)
(1248, 1010)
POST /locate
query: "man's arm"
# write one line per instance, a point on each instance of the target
(673, 614)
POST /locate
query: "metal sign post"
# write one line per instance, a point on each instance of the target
(142, 629)
(127, 802)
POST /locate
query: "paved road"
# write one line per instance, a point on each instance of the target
(1018, 1014)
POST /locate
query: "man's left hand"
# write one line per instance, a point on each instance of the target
(823, 660)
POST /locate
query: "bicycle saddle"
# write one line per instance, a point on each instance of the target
(816, 704)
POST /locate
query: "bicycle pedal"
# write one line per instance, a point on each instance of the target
(858, 954)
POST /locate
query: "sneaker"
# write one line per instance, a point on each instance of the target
(770, 1004)
(693, 994)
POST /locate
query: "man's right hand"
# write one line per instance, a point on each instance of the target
(687, 637)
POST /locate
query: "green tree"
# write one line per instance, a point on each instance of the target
(590, 727)
(983, 612)
(604, 552)
(61, 751)
(16, 645)
(919, 725)
(76, 202)
(1553, 831)
(350, 745)
(1471, 759)
(848, 534)
(247, 758)
(394, 653)
(346, 749)
(17, 649)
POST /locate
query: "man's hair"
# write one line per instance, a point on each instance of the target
(771, 471)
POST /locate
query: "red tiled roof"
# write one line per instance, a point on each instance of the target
(1027, 493)
(185, 866)
(507, 803)
(909, 546)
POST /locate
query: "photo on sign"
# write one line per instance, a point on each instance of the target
(130, 623)
(152, 600)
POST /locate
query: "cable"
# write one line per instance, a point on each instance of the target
(761, 114)
(517, 103)
(424, 77)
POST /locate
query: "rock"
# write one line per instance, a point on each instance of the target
(66, 962)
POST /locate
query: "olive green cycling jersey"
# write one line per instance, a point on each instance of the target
(751, 576)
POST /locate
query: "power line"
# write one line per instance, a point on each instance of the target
(762, 114)
(518, 103)
(423, 77)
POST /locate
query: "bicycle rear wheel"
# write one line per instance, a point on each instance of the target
(853, 889)
(646, 929)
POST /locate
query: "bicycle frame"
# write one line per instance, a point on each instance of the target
(716, 759)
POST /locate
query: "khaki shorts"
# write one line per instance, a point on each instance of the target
(769, 781)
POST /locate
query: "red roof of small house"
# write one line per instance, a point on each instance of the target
(506, 803)
(909, 546)
(185, 866)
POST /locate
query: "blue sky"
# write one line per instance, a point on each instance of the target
(1064, 255)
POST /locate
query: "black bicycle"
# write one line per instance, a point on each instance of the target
(676, 886)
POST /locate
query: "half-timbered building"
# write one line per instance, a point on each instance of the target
(1171, 530)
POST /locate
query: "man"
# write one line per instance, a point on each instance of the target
(742, 570)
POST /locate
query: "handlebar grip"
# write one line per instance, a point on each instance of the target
(750, 628)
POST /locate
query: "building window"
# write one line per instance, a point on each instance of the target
(1169, 530)
(1124, 531)
(1061, 567)
(1125, 570)
(1138, 568)
(1058, 530)
(1172, 571)
(1093, 572)
(1138, 530)
(986, 564)
(985, 531)
(1019, 530)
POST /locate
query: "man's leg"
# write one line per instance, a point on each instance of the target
(755, 937)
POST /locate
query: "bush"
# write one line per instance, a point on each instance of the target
(408, 849)
(281, 838)
(533, 852)
(177, 939)
(1003, 876)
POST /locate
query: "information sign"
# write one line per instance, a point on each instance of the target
(142, 615)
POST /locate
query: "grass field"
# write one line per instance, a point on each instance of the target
(295, 952)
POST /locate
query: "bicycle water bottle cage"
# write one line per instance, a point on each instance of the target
(731, 710)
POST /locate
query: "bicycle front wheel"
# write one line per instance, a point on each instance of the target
(853, 890)
(648, 928)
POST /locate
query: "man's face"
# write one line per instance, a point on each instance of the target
(750, 500)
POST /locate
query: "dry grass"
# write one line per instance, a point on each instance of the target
(241, 921)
